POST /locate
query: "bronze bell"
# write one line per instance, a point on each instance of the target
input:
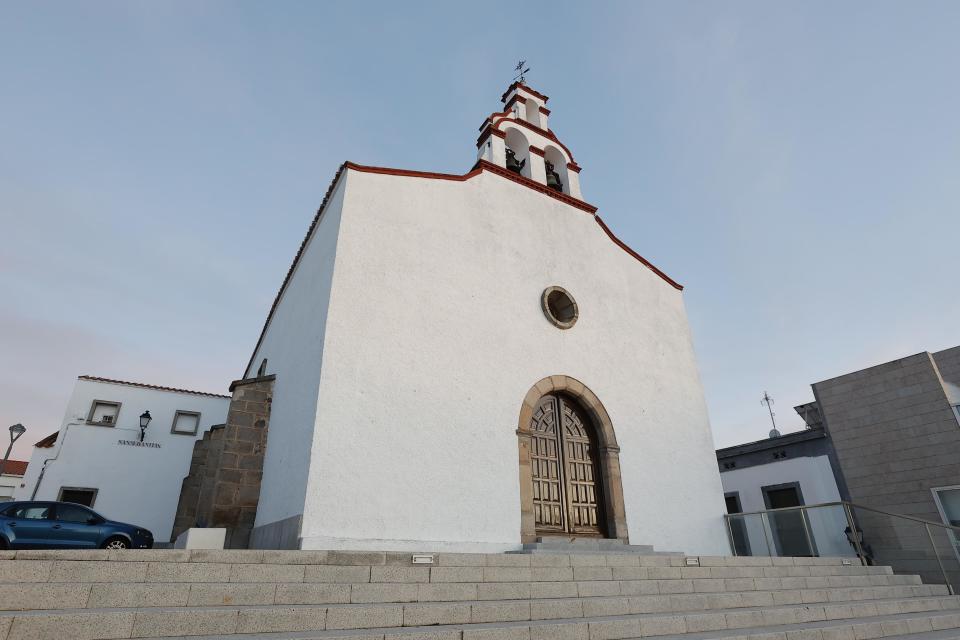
(553, 178)
(512, 163)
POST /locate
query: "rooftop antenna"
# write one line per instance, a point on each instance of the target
(767, 400)
(521, 71)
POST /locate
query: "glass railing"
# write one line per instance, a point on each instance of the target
(907, 544)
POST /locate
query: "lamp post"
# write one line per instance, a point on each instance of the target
(144, 423)
(16, 431)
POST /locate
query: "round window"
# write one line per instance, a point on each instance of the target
(559, 307)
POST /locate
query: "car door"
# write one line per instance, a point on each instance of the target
(75, 527)
(30, 525)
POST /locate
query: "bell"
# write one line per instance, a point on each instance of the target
(512, 163)
(553, 178)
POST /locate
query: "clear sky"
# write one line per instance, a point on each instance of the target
(795, 165)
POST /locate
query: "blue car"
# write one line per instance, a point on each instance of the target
(63, 525)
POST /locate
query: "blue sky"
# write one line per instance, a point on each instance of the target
(795, 165)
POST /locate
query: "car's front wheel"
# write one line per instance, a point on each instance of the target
(116, 543)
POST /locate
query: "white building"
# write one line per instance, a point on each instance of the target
(471, 361)
(11, 478)
(96, 457)
(782, 471)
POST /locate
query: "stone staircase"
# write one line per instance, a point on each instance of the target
(575, 545)
(90, 595)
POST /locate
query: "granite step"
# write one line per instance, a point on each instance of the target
(630, 597)
(135, 623)
(580, 545)
(64, 570)
(353, 558)
(918, 626)
(365, 621)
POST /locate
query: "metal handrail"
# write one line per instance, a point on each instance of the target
(848, 513)
(849, 504)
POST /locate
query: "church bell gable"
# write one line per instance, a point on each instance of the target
(520, 140)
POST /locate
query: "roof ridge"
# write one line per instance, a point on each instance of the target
(144, 385)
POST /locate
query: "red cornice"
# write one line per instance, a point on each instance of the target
(483, 165)
(456, 177)
(545, 111)
(510, 102)
(573, 167)
(617, 241)
(540, 152)
(536, 186)
(493, 116)
(544, 132)
(486, 132)
(156, 387)
(478, 168)
(520, 85)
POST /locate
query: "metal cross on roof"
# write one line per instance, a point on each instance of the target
(521, 72)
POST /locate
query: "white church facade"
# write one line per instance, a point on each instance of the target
(470, 362)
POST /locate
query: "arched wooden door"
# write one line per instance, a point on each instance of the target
(566, 479)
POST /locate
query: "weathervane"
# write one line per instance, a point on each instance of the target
(521, 72)
(767, 400)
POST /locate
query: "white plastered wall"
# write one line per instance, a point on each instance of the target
(293, 347)
(817, 485)
(434, 336)
(138, 485)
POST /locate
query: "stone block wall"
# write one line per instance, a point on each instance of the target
(223, 486)
(948, 364)
(895, 437)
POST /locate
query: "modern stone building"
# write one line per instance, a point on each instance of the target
(895, 428)
(466, 362)
(889, 438)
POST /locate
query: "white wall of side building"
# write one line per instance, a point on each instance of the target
(135, 484)
(433, 336)
(817, 486)
(9, 482)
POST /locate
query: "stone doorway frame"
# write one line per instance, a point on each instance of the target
(608, 449)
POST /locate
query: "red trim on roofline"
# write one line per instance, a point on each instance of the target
(620, 243)
(549, 135)
(15, 468)
(521, 85)
(536, 186)
(478, 168)
(482, 165)
(296, 259)
(48, 442)
(143, 385)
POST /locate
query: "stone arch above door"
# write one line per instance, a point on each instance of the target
(609, 454)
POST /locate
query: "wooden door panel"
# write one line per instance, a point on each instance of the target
(581, 476)
(563, 465)
(548, 502)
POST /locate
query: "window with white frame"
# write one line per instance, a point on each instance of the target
(103, 413)
(186, 423)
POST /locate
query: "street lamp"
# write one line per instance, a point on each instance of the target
(144, 423)
(16, 431)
